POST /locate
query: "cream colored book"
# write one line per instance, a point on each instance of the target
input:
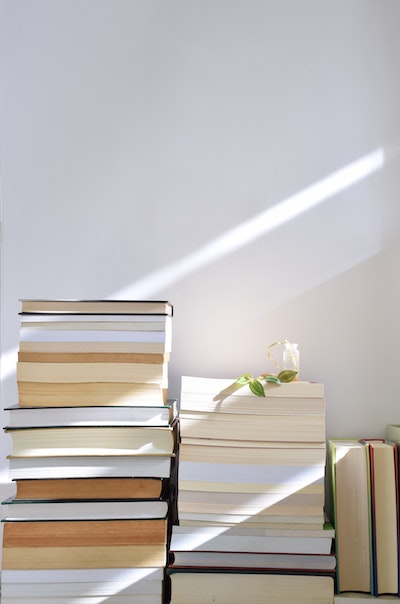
(284, 428)
(152, 373)
(92, 440)
(96, 346)
(266, 454)
(261, 504)
(236, 588)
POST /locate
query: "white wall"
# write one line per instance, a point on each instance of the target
(136, 134)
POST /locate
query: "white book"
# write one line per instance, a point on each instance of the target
(92, 440)
(93, 415)
(92, 466)
(296, 476)
(32, 334)
(261, 504)
(123, 577)
(19, 509)
(144, 587)
(220, 538)
(254, 520)
(112, 599)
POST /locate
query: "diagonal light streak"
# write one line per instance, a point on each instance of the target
(259, 225)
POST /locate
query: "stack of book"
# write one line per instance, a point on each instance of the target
(364, 486)
(251, 494)
(93, 439)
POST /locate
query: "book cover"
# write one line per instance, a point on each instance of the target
(383, 458)
(159, 307)
(348, 473)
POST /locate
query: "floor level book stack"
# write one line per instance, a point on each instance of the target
(364, 499)
(93, 446)
(251, 523)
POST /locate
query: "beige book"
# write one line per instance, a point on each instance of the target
(50, 394)
(93, 372)
(92, 440)
(235, 426)
(91, 556)
(236, 588)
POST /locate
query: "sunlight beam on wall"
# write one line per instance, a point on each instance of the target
(257, 226)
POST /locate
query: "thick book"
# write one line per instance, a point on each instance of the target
(142, 373)
(49, 533)
(153, 598)
(29, 334)
(283, 428)
(92, 440)
(73, 466)
(42, 394)
(300, 503)
(88, 509)
(93, 357)
(83, 586)
(393, 432)
(278, 490)
(95, 346)
(108, 585)
(93, 415)
(252, 452)
(348, 475)
(89, 488)
(239, 539)
(217, 391)
(88, 556)
(120, 578)
(95, 321)
(237, 588)
(252, 521)
(297, 477)
(138, 307)
(383, 458)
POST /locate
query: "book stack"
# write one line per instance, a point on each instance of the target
(364, 484)
(93, 438)
(251, 495)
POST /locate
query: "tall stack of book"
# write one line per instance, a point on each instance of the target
(251, 495)
(93, 444)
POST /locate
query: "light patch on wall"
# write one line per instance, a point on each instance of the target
(258, 226)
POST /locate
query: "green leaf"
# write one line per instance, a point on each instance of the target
(256, 387)
(244, 379)
(287, 375)
(269, 377)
